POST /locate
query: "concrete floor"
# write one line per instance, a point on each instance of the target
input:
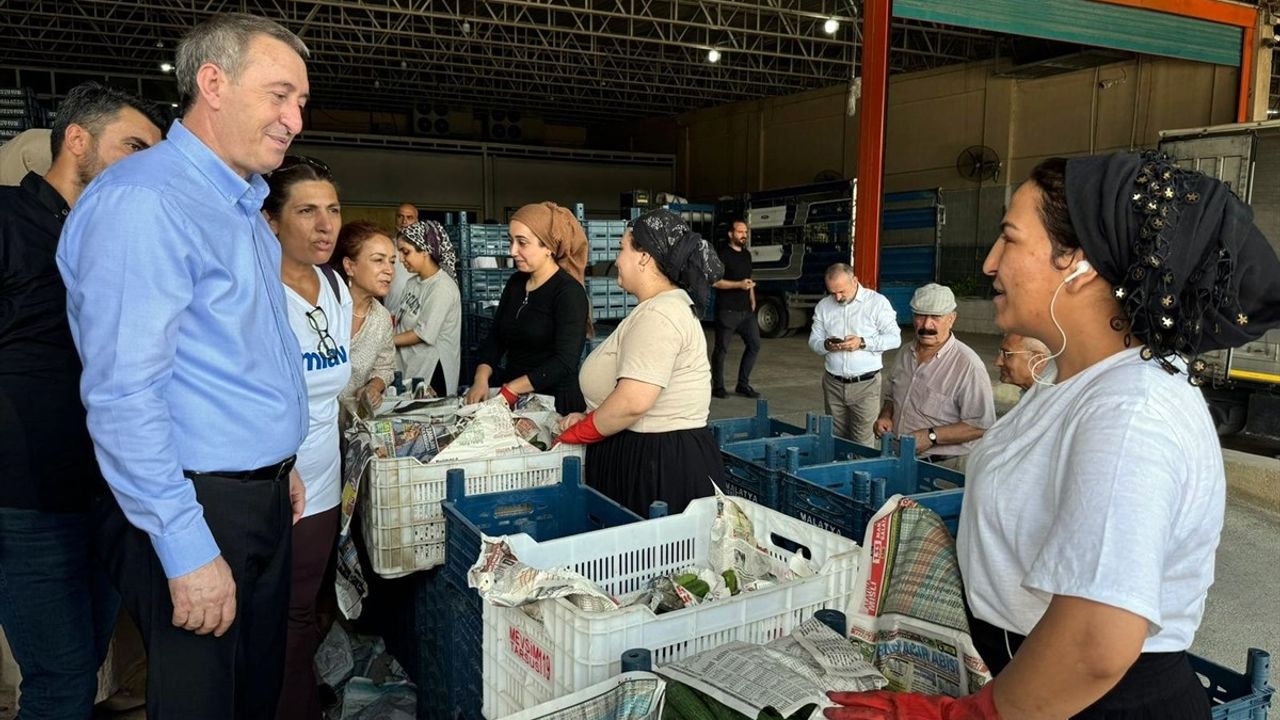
(1241, 610)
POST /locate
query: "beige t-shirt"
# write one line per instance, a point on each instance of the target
(660, 343)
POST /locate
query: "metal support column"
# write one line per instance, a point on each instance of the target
(876, 18)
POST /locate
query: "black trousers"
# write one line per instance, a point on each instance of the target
(1158, 686)
(729, 322)
(202, 677)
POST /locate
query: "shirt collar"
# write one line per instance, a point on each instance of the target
(45, 193)
(230, 186)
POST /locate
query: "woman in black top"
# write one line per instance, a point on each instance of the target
(543, 317)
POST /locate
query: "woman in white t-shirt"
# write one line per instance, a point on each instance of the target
(1094, 507)
(429, 328)
(648, 385)
(303, 211)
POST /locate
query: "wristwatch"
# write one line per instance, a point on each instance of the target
(933, 437)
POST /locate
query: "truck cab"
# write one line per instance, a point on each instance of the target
(1243, 391)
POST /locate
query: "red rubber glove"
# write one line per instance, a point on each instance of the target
(582, 433)
(509, 396)
(884, 705)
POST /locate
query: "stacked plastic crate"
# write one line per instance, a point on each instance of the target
(19, 112)
(484, 265)
(608, 301)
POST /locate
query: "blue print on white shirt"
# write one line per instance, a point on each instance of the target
(316, 361)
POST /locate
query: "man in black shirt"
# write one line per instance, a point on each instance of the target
(736, 312)
(56, 606)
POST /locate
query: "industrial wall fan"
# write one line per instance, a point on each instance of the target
(978, 163)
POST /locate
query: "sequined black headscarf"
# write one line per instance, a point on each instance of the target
(682, 254)
(1189, 267)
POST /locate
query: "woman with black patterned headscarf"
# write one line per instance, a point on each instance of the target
(648, 385)
(429, 325)
(1093, 508)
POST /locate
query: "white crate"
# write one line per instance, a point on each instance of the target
(401, 516)
(633, 695)
(528, 661)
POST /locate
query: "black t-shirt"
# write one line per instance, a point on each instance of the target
(541, 335)
(46, 456)
(737, 266)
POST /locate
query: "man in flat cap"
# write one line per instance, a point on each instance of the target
(939, 390)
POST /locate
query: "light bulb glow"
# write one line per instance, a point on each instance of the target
(831, 26)
(713, 55)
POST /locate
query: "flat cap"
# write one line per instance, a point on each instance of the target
(933, 299)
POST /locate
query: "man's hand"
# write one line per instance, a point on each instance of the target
(297, 495)
(923, 443)
(882, 426)
(747, 284)
(204, 600)
(853, 342)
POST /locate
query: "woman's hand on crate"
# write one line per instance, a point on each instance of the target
(884, 705)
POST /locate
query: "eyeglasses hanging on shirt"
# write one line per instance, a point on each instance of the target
(328, 347)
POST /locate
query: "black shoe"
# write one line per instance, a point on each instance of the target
(719, 392)
(746, 391)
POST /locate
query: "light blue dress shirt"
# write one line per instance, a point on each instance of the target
(178, 312)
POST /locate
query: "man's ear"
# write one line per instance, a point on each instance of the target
(211, 84)
(77, 140)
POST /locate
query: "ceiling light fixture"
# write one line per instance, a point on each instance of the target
(713, 55)
(831, 26)
(166, 67)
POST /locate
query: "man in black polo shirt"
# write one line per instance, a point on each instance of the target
(56, 604)
(736, 312)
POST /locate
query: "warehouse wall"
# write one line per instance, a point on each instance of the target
(441, 181)
(935, 114)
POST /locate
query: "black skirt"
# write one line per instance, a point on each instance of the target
(1159, 686)
(634, 469)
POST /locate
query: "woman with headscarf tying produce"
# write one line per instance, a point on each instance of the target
(429, 329)
(543, 317)
(648, 385)
(1094, 507)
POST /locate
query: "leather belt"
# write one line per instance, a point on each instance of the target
(849, 380)
(268, 472)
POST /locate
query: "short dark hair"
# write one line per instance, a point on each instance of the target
(1050, 177)
(223, 40)
(734, 221)
(92, 105)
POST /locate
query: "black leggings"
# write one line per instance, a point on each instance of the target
(1158, 686)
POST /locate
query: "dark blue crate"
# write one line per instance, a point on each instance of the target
(758, 426)
(842, 496)
(544, 513)
(1234, 696)
(755, 467)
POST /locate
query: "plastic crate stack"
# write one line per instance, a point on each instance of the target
(19, 112)
(544, 513)
(481, 287)
(608, 301)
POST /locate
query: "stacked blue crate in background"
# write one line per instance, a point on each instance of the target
(608, 301)
(19, 112)
(484, 265)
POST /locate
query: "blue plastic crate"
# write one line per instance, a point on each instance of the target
(1232, 695)
(758, 426)
(544, 513)
(754, 467)
(842, 496)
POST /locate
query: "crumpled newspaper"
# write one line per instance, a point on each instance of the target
(734, 547)
(503, 580)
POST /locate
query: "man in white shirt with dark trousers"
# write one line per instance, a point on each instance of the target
(852, 328)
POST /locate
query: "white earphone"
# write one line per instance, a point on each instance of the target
(1082, 267)
(1039, 362)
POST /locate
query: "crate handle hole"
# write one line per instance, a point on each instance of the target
(506, 511)
(790, 546)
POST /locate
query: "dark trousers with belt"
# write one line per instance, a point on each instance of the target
(728, 322)
(198, 677)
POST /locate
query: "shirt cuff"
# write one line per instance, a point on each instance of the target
(186, 550)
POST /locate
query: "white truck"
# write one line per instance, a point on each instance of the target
(1244, 388)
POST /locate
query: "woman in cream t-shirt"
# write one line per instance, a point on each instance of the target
(648, 386)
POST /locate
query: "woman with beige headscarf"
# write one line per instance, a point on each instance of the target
(543, 317)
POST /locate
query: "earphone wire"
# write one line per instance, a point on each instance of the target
(1039, 362)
